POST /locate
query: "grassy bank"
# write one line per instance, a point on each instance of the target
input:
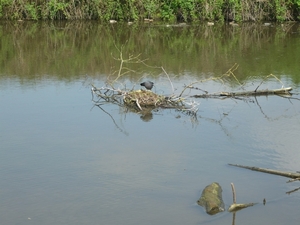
(168, 10)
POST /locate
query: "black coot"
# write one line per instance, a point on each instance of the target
(148, 85)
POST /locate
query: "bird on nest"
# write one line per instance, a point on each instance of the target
(148, 85)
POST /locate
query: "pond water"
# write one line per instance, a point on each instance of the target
(65, 161)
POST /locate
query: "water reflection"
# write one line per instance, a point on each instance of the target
(147, 116)
(67, 50)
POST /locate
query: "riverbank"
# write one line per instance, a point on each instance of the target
(133, 10)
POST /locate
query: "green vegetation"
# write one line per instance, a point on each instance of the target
(168, 10)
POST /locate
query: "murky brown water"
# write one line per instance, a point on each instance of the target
(64, 161)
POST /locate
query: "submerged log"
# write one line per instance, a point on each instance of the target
(211, 199)
(270, 171)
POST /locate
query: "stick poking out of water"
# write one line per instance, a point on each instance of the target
(234, 206)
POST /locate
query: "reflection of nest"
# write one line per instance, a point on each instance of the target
(143, 98)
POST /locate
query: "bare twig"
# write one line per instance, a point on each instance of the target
(122, 69)
(296, 189)
(230, 72)
(271, 75)
(220, 78)
(168, 79)
(233, 193)
(137, 102)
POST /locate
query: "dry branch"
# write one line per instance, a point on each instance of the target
(220, 78)
(285, 92)
(139, 100)
(236, 207)
(275, 172)
(258, 92)
(281, 91)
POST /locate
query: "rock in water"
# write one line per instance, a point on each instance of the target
(211, 199)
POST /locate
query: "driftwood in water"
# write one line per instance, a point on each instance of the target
(211, 199)
(281, 91)
(258, 92)
(235, 206)
(275, 172)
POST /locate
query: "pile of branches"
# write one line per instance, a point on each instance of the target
(138, 100)
(141, 100)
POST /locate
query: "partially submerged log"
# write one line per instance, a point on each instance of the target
(211, 199)
(270, 171)
(236, 207)
(282, 92)
(258, 92)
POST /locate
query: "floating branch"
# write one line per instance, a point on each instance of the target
(275, 172)
(294, 176)
(284, 92)
(296, 189)
(280, 91)
(236, 207)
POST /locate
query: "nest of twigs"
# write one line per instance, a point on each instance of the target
(144, 98)
(141, 100)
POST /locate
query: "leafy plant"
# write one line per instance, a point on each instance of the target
(56, 9)
(31, 11)
(168, 10)
(151, 7)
